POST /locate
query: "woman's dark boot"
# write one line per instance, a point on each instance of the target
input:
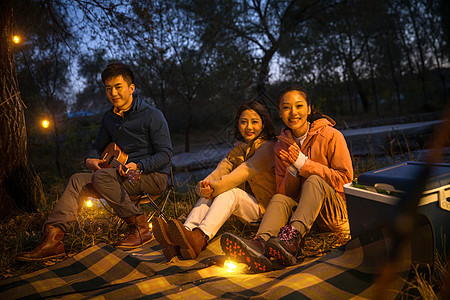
(50, 247)
(139, 233)
(286, 247)
(250, 252)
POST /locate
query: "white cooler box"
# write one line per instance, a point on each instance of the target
(369, 209)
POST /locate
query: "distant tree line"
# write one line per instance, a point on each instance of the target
(198, 60)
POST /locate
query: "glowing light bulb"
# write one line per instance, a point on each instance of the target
(88, 203)
(45, 123)
(231, 266)
(16, 39)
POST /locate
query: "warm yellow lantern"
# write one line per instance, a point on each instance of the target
(45, 123)
(16, 39)
(231, 266)
(88, 203)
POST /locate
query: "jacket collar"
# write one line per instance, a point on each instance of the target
(242, 150)
(314, 128)
(136, 105)
(253, 145)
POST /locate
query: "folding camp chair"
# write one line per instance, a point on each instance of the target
(158, 202)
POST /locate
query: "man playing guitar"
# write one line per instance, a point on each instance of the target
(140, 132)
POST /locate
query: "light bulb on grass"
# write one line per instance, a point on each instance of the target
(230, 265)
(88, 203)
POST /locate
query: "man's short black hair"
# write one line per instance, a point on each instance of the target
(116, 69)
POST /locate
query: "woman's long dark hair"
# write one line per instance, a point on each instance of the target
(315, 113)
(268, 132)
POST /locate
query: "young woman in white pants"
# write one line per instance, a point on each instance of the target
(242, 185)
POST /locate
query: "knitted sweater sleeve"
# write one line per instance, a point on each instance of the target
(259, 162)
(223, 167)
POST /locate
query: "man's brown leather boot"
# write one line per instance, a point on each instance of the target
(191, 242)
(139, 233)
(51, 246)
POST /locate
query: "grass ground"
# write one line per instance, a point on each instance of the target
(96, 224)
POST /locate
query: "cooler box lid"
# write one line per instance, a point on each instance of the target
(401, 175)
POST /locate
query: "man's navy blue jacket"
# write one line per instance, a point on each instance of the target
(142, 133)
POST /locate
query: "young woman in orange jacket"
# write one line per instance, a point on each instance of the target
(312, 164)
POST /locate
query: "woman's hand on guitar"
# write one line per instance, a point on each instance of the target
(93, 163)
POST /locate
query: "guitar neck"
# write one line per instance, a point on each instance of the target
(132, 175)
(115, 163)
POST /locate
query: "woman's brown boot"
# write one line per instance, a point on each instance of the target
(162, 235)
(191, 242)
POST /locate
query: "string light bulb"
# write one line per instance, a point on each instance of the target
(45, 123)
(16, 39)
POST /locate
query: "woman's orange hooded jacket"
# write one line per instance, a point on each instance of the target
(328, 157)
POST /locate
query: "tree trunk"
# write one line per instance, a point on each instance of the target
(372, 80)
(187, 132)
(359, 87)
(439, 57)
(16, 179)
(263, 74)
(349, 92)
(57, 150)
(394, 79)
(421, 64)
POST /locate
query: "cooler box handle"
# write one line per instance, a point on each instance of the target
(443, 203)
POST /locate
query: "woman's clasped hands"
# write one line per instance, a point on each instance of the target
(290, 156)
(205, 189)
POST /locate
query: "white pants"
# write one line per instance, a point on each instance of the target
(210, 214)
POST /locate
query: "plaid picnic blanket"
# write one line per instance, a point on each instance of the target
(103, 272)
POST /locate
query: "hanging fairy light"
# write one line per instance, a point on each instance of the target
(16, 39)
(45, 123)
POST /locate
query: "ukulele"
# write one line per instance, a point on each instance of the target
(115, 157)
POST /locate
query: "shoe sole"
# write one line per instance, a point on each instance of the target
(176, 230)
(163, 239)
(25, 259)
(282, 256)
(134, 247)
(235, 248)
